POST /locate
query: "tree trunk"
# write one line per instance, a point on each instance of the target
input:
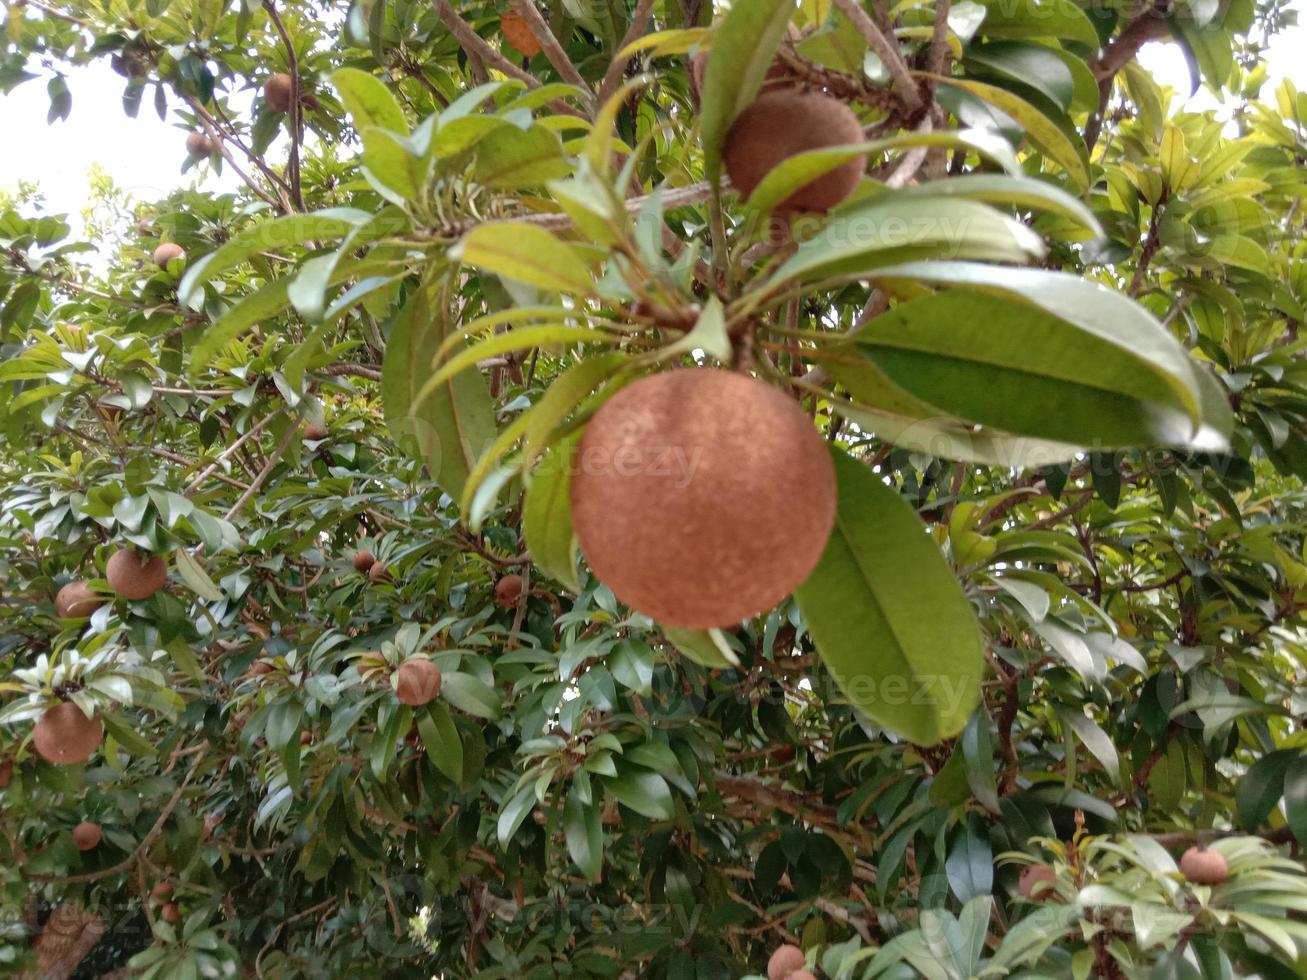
(69, 934)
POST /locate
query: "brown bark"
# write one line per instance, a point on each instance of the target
(69, 935)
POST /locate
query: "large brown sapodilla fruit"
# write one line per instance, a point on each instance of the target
(784, 962)
(277, 90)
(363, 560)
(418, 682)
(1036, 881)
(77, 600)
(516, 32)
(702, 497)
(87, 835)
(166, 252)
(199, 146)
(1203, 866)
(780, 124)
(508, 590)
(133, 576)
(65, 736)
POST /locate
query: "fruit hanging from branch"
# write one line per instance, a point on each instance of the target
(134, 575)
(87, 835)
(65, 736)
(417, 682)
(77, 600)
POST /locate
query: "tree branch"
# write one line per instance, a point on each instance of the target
(613, 76)
(905, 87)
(553, 51)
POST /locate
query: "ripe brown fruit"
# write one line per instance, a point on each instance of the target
(377, 571)
(170, 913)
(314, 433)
(87, 835)
(508, 590)
(133, 576)
(418, 682)
(199, 146)
(1036, 881)
(166, 252)
(65, 736)
(1203, 866)
(785, 122)
(277, 93)
(77, 600)
(161, 890)
(702, 497)
(363, 560)
(784, 962)
(516, 32)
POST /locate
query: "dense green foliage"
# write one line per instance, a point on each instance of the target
(1052, 341)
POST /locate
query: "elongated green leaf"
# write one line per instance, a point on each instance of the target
(547, 515)
(970, 861)
(262, 305)
(647, 793)
(1039, 18)
(527, 253)
(708, 648)
(195, 577)
(271, 236)
(453, 422)
(513, 812)
(469, 693)
(521, 338)
(584, 834)
(1066, 151)
(1295, 797)
(1023, 192)
(508, 157)
(440, 739)
(743, 47)
(888, 617)
(368, 101)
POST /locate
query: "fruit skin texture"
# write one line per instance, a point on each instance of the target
(77, 600)
(65, 736)
(801, 975)
(1202, 866)
(133, 578)
(785, 962)
(199, 146)
(363, 560)
(785, 122)
(166, 252)
(702, 497)
(518, 34)
(418, 682)
(508, 590)
(86, 835)
(1036, 880)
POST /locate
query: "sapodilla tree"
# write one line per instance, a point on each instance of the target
(702, 497)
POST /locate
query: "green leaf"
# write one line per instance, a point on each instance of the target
(547, 515)
(1262, 786)
(195, 577)
(450, 426)
(978, 757)
(392, 167)
(513, 812)
(888, 617)
(1039, 18)
(368, 101)
(1066, 151)
(970, 861)
(527, 253)
(647, 793)
(1021, 192)
(743, 47)
(581, 827)
(440, 739)
(708, 648)
(1295, 797)
(1029, 64)
(508, 157)
(470, 694)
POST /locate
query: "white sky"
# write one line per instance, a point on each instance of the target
(144, 155)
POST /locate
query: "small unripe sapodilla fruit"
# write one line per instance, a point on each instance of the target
(65, 736)
(77, 600)
(314, 433)
(784, 962)
(516, 32)
(166, 252)
(702, 497)
(782, 123)
(170, 913)
(508, 590)
(133, 576)
(363, 560)
(378, 572)
(86, 835)
(199, 145)
(161, 890)
(418, 682)
(1203, 866)
(1036, 881)
(277, 91)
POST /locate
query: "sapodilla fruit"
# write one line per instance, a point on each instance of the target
(801, 975)
(780, 124)
(314, 433)
(508, 590)
(516, 32)
(1036, 881)
(363, 560)
(702, 497)
(784, 962)
(418, 682)
(170, 913)
(378, 571)
(199, 146)
(65, 736)
(87, 835)
(1203, 866)
(277, 89)
(166, 252)
(161, 890)
(77, 600)
(133, 576)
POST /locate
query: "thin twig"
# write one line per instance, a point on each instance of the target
(613, 76)
(888, 52)
(264, 473)
(296, 127)
(549, 45)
